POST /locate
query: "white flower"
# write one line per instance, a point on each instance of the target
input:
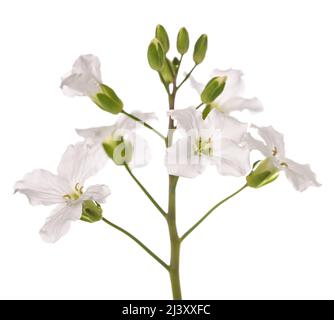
(300, 175)
(66, 189)
(231, 99)
(123, 128)
(85, 77)
(214, 140)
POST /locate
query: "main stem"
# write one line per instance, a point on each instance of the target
(175, 243)
(174, 266)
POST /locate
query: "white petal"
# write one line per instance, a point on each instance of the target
(188, 119)
(98, 193)
(300, 175)
(255, 144)
(141, 154)
(226, 126)
(199, 87)
(43, 187)
(126, 123)
(273, 139)
(81, 161)
(58, 224)
(234, 84)
(231, 159)
(180, 160)
(85, 78)
(240, 104)
(95, 135)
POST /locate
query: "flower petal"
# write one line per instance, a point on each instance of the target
(188, 119)
(240, 104)
(98, 193)
(234, 84)
(300, 175)
(141, 154)
(85, 78)
(199, 87)
(273, 139)
(226, 126)
(81, 161)
(58, 224)
(254, 144)
(231, 159)
(180, 160)
(95, 135)
(43, 187)
(126, 123)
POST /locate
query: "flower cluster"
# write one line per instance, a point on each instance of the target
(212, 136)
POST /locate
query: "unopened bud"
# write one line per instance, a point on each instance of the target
(201, 46)
(155, 55)
(182, 43)
(213, 89)
(162, 35)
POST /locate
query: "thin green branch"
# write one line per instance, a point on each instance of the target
(186, 77)
(210, 211)
(199, 106)
(150, 252)
(162, 211)
(144, 124)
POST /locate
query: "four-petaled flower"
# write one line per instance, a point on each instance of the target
(84, 79)
(66, 189)
(231, 98)
(300, 175)
(215, 140)
(122, 129)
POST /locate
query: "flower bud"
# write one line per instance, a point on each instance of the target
(155, 55)
(167, 72)
(263, 173)
(213, 89)
(117, 149)
(91, 211)
(162, 35)
(108, 100)
(201, 46)
(182, 43)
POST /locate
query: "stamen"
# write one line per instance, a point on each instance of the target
(284, 164)
(274, 151)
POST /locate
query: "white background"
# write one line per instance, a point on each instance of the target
(272, 243)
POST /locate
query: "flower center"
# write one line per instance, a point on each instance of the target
(203, 146)
(76, 194)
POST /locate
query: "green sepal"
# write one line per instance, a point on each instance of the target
(213, 89)
(263, 172)
(201, 46)
(91, 211)
(117, 149)
(108, 104)
(208, 108)
(182, 43)
(162, 35)
(155, 55)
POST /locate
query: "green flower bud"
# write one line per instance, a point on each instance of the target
(162, 35)
(108, 100)
(201, 46)
(155, 55)
(182, 43)
(213, 89)
(263, 173)
(91, 211)
(118, 150)
(167, 72)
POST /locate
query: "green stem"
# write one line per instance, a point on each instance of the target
(150, 252)
(186, 77)
(162, 211)
(209, 212)
(144, 124)
(174, 268)
(199, 106)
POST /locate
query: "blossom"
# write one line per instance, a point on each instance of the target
(85, 77)
(215, 140)
(231, 98)
(300, 175)
(122, 129)
(65, 189)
